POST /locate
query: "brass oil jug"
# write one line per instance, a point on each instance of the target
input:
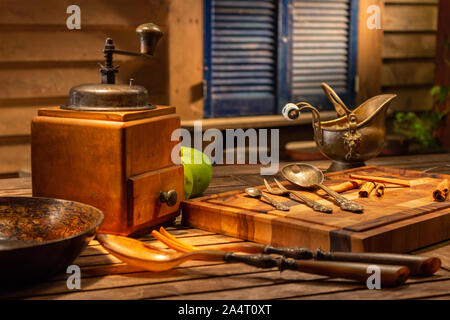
(355, 136)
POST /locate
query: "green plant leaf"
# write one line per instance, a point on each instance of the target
(435, 90)
(420, 128)
(442, 96)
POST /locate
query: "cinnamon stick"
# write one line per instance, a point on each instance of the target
(399, 182)
(344, 186)
(442, 190)
(379, 190)
(366, 189)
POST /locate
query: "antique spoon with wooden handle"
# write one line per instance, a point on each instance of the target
(148, 257)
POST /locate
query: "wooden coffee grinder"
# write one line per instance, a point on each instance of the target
(111, 149)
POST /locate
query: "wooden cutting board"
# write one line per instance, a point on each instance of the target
(403, 220)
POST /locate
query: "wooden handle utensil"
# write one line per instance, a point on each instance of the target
(390, 276)
(419, 266)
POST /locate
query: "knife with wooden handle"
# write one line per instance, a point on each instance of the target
(390, 275)
(418, 265)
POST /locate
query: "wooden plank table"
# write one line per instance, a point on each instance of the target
(105, 277)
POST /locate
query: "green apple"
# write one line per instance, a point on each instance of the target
(201, 172)
(188, 182)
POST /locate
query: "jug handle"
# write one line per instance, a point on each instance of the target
(292, 111)
(315, 119)
(339, 105)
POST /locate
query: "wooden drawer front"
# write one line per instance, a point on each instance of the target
(143, 195)
(148, 144)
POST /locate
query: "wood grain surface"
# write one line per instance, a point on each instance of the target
(408, 51)
(105, 277)
(404, 219)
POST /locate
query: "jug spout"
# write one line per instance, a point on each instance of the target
(386, 102)
(373, 107)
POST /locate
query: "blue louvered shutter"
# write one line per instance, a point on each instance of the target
(323, 49)
(260, 54)
(240, 57)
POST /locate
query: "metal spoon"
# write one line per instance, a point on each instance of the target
(296, 197)
(256, 193)
(308, 176)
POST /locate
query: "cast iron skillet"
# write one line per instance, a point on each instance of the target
(41, 236)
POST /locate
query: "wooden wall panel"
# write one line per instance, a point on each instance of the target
(401, 73)
(15, 121)
(409, 45)
(443, 39)
(119, 13)
(414, 17)
(15, 158)
(409, 48)
(62, 45)
(443, 66)
(41, 80)
(186, 57)
(410, 98)
(369, 58)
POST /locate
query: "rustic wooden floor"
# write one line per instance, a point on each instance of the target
(105, 277)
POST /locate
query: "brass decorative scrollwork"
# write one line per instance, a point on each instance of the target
(352, 139)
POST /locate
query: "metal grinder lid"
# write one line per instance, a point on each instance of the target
(108, 97)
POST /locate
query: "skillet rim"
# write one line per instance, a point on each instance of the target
(93, 227)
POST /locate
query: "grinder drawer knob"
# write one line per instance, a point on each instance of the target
(170, 197)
